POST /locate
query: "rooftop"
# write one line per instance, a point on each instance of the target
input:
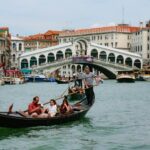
(118, 28)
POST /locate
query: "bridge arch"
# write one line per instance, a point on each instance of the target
(59, 55)
(33, 61)
(94, 53)
(81, 46)
(128, 61)
(111, 57)
(50, 57)
(120, 59)
(68, 53)
(42, 59)
(24, 63)
(103, 56)
(137, 63)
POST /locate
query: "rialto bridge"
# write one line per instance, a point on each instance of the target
(107, 60)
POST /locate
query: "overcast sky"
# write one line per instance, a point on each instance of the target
(27, 17)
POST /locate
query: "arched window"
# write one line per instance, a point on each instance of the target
(120, 59)
(24, 63)
(20, 46)
(68, 53)
(50, 57)
(111, 57)
(42, 59)
(33, 61)
(128, 61)
(94, 53)
(14, 57)
(14, 46)
(103, 55)
(59, 55)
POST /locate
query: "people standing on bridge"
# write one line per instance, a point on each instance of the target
(88, 79)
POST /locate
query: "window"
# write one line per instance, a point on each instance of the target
(112, 44)
(20, 46)
(148, 38)
(116, 44)
(147, 46)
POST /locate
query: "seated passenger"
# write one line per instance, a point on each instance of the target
(65, 107)
(36, 110)
(52, 108)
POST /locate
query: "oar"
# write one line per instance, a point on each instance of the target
(68, 95)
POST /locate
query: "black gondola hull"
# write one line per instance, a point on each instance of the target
(15, 120)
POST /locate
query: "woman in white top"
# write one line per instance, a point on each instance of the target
(52, 108)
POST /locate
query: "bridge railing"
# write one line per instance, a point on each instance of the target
(84, 59)
(112, 64)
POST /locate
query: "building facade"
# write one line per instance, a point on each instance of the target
(140, 43)
(5, 47)
(38, 41)
(114, 36)
(17, 48)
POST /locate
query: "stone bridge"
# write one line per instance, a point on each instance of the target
(107, 60)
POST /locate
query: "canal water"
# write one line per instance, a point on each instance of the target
(119, 119)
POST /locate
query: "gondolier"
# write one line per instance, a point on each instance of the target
(88, 79)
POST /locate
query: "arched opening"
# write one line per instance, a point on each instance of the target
(111, 58)
(94, 53)
(59, 55)
(78, 67)
(20, 46)
(120, 59)
(81, 47)
(73, 68)
(14, 46)
(68, 53)
(137, 63)
(33, 61)
(103, 55)
(24, 63)
(42, 59)
(50, 57)
(128, 61)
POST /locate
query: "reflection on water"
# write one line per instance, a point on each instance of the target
(119, 119)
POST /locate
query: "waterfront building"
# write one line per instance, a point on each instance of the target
(112, 36)
(38, 41)
(17, 48)
(140, 42)
(5, 47)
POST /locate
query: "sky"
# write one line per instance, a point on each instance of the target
(27, 17)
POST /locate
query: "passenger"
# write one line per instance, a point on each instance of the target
(65, 107)
(36, 110)
(52, 108)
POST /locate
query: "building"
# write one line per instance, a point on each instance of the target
(17, 48)
(140, 42)
(5, 47)
(112, 36)
(38, 41)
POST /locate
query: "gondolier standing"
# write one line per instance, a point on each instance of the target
(88, 78)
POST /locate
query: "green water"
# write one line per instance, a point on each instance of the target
(119, 119)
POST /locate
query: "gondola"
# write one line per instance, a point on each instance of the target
(17, 120)
(62, 81)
